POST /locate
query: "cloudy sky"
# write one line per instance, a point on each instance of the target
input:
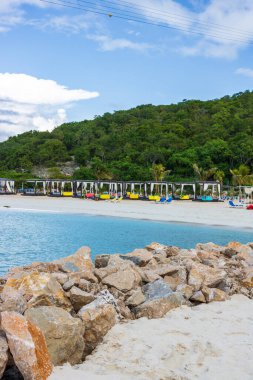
(63, 63)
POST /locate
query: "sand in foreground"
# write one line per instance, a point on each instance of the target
(177, 211)
(207, 342)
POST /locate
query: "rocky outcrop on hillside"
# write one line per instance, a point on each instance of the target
(58, 312)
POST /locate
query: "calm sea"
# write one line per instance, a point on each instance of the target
(30, 236)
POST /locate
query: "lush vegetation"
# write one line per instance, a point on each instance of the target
(180, 138)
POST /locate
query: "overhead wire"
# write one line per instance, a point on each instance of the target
(92, 8)
(164, 12)
(197, 27)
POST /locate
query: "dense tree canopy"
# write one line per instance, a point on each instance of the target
(126, 144)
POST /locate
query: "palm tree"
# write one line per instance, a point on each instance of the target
(202, 174)
(159, 172)
(241, 176)
(219, 176)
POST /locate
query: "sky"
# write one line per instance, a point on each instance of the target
(61, 64)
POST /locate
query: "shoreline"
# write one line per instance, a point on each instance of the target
(185, 212)
(197, 224)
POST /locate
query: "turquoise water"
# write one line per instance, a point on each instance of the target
(30, 236)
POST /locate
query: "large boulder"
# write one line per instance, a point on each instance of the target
(27, 345)
(159, 299)
(198, 296)
(3, 353)
(247, 280)
(186, 290)
(12, 300)
(40, 289)
(98, 318)
(201, 274)
(136, 298)
(68, 285)
(214, 294)
(79, 298)
(124, 279)
(208, 247)
(148, 275)
(140, 257)
(195, 279)
(63, 333)
(177, 278)
(101, 261)
(87, 275)
(157, 248)
(35, 267)
(240, 248)
(167, 269)
(78, 262)
(158, 307)
(156, 289)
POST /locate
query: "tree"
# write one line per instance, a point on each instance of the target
(241, 176)
(219, 176)
(159, 172)
(125, 144)
(202, 174)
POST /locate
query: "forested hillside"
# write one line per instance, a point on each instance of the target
(124, 145)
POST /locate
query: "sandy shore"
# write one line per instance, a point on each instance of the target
(177, 211)
(207, 342)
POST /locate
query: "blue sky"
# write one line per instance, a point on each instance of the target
(59, 64)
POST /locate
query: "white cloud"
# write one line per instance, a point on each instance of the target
(245, 71)
(219, 24)
(67, 24)
(24, 88)
(107, 43)
(28, 103)
(11, 13)
(221, 28)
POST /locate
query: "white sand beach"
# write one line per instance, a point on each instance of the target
(207, 342)
(178, 211)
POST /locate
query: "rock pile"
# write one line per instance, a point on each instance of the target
(58, 312)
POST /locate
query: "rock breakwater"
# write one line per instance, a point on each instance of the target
(58, 312)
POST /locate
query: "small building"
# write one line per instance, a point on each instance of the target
(34, 187)
(7, 186)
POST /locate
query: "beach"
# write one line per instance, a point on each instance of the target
(215, 214)
(209, 341)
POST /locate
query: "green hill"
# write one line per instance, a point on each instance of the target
(125, 144)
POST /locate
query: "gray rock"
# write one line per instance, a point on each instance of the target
(157, 289)
(68, 285)
(139, 257)
(133, 259)
(103, 298)
(158, 307)
(101, 261)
